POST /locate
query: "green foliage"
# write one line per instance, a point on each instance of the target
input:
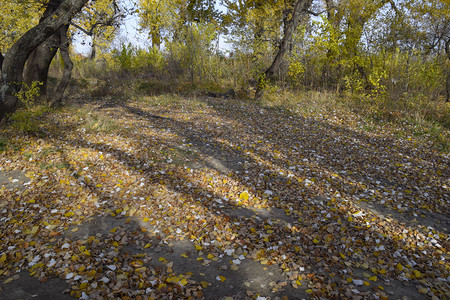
(28, 120)
(296, 71)
(16, 17)
(29, 93)
(3, 143)
(123, 57)
(96, 122)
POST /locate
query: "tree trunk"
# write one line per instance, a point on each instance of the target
(19, 52)
(68, 66)
(299, 8)
(447, 51)
(93, 48)
(38, 63)
(1, 61)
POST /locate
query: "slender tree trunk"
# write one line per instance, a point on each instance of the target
(93, 48)
(68, 66)
(300, 7)
(1, 61)
(447, 51)
(19, 52)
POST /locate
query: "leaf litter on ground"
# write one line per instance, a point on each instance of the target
(310, 202)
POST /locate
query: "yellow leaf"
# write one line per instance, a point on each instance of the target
(198, 247)
(68, 214)
(373, 278)
(34, 229)
(366, 283)
(417, 273)
(349, 279)
(184, 255)
(315, 241)
(342, 255)
(183, 282)
(161, 285)
(75, 229)
(83, 285)
(3, 258)
(383, 271)
(204, 284)
(244, 195)
(148, 245)
(146, 219)
(221, 278)
(350, 218)
(400, 267)
(210, 256)
(8, 280)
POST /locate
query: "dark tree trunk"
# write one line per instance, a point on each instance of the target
(300, 7)
(1, 61)
(38, 63)
(19, 52)
(68, 66)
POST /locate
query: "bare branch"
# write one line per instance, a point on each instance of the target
(316, 14)
(90, 32)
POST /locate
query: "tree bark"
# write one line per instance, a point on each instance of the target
(447, 51)
(38, 63)
(300, 7)
(1, 61)
(68, 66)
(19, 52)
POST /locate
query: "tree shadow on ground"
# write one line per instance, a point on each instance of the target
(286, 230)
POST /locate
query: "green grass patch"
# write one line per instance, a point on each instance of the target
(3, 143)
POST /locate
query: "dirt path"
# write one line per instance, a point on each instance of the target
(211, 199)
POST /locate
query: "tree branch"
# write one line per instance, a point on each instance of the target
(316, 14)
(90, 32)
